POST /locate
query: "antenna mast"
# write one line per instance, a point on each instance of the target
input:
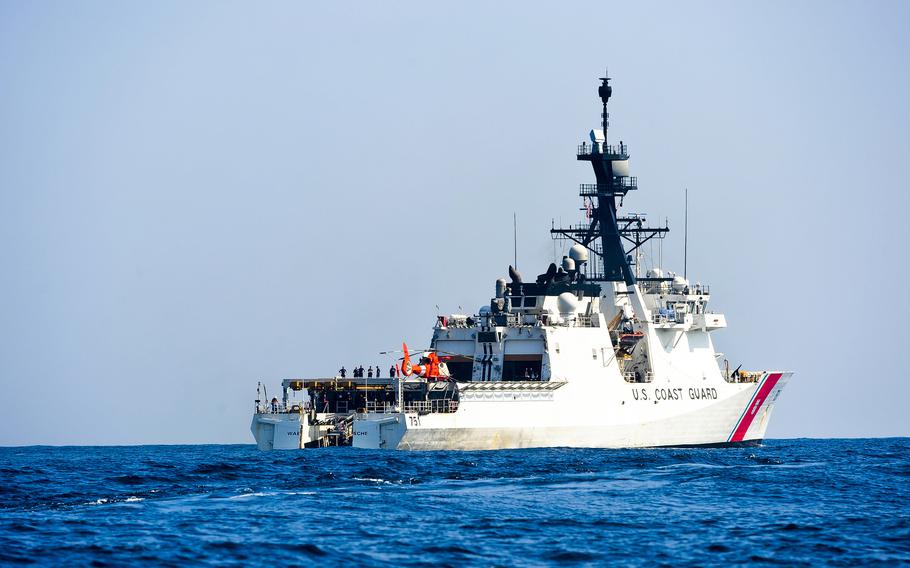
(686, 237)
(606, 232)
(515, 237)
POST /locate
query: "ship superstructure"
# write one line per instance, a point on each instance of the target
(589, 353)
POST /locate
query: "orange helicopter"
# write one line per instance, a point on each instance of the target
(430, 367)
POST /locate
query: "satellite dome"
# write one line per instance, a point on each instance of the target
(567, 303)
(578, 253)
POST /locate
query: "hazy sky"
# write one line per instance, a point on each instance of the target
(195, 196)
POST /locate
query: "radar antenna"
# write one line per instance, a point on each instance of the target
(605, 91)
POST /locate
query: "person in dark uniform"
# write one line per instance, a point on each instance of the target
(370, 373)
(342, 371)
(392, 371)
(377, 371)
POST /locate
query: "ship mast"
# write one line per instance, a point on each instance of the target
(613, 182)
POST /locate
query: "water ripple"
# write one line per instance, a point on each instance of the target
(790, 502)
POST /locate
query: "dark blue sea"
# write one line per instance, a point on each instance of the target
(789, 502)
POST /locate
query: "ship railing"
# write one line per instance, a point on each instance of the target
(632, 377)
(269, 408)
(575, 320)
(455, 321)
(292, 407)
(379, 407)
(435, 406)
(744, 377)
(665, 286)
(587, 149)
(576, 227)
(620, 184)
(693, 290)
(535, 320)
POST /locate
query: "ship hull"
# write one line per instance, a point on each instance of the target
(628, 417)
(293, 430)
(277, 431)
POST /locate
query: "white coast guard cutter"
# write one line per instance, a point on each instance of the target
(589, 354)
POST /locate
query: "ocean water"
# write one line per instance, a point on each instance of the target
(790, 502)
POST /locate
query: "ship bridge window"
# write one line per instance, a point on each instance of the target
(530, 301)
(487, 337)
(522, 368)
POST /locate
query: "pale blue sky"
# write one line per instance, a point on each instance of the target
(195, 196)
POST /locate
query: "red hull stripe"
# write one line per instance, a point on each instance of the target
(754, 405)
